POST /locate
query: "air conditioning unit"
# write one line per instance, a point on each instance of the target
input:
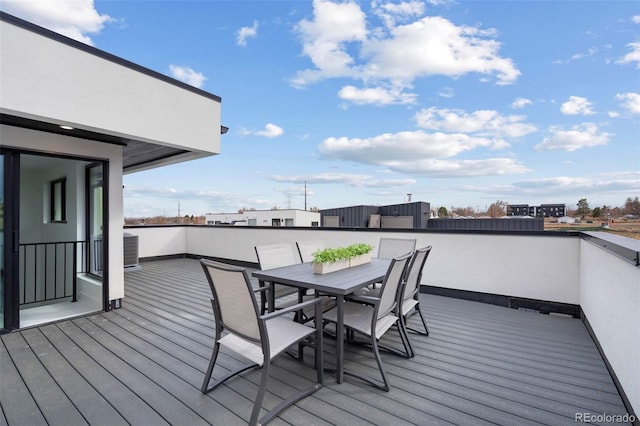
(130, 250)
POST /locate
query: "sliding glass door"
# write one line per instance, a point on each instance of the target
(9, 238)
(95, 215)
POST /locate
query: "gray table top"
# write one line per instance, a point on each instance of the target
(342, 282)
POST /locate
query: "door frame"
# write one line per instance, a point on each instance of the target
(11, 234)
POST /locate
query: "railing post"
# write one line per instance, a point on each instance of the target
(74, 271)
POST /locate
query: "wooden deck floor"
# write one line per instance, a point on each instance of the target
(143, 365)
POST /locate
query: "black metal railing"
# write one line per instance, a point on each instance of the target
(48, 271)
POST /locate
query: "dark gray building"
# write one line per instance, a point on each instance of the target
(543, 210)
(407, 215)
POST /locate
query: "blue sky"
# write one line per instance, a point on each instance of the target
(459, 103)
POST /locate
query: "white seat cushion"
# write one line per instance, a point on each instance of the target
(282, 333)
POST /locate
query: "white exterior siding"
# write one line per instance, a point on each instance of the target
(47, 80)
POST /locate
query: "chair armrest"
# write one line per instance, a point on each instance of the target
(262, 289)
(288, 309)
(369, 300)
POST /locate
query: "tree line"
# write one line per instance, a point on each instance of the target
(499, 208)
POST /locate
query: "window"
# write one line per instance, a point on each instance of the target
(58, 200)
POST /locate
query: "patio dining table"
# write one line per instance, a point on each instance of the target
(337, 284)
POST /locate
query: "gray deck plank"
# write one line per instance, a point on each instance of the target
(481, 364)
(56, 407)
(95, 409)
(18, 406)
(129, 404)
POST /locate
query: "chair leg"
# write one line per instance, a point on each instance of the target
(376, 353)
(404, 336)
(424, 323)
(261, 392)
(212, 362)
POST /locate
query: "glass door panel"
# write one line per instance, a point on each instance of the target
(95, 218)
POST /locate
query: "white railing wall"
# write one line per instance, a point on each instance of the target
(610, 300)
(160, 241)
(534, 267)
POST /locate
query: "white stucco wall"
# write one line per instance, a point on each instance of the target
(40, 75)
(610, 299)
(543, 268)
(164, 241)
(16, 137)
(35, 223)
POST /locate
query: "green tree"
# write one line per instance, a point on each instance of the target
(597, 212)
(442, 212)
(583, 208)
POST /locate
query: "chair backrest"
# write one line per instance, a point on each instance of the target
(277, 255)
(307, 248)
(388, 248)
(390, 284)
(414, 271)
(234, 302)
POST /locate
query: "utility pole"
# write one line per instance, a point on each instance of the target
(305, 195)
(179, 217)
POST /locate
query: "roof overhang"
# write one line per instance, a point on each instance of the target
(49, 80)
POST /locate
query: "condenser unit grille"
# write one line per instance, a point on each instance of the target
(130, 251)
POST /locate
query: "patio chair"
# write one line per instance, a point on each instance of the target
(408, 301)
(388, 248)
(307, 248)
(259, 338)
(373, 316)
(275, 256)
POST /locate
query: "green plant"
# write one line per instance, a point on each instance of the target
(332, 255)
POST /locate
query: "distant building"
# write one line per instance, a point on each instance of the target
(567, 219)
(543, 210)
(288, 217)
(407, 216)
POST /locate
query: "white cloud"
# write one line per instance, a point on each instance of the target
(324, 40)
(613, 181)
(76, 19)
(483, 122)
(392, 13)
(576, 105)
(341, 43)
(270, 131)
(446, 92)
(633, 56)
(520, 103)
(635, 19)
(582, 136)
(603, 186)
(460, 168)
(419, 152)
(246, 32)
(353, 180)
(630, 101)
(436, 46)
(187, 75)
(376, 96)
